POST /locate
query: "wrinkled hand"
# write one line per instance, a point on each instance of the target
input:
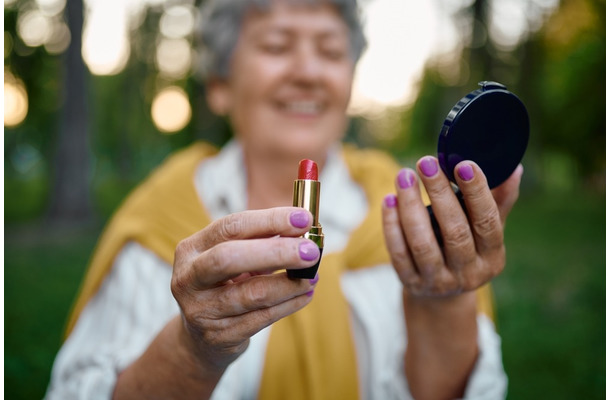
(223, 283)
(473, 251)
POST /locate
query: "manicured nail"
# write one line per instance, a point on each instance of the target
(308, 251)
(466, 172)
(428, 166)
(314, 280)
(405, 178)
(310, 293)
(391, 200)
(299, 219)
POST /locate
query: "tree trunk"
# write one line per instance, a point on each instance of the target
(70, 196)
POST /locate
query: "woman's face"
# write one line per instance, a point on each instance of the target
(290, 80)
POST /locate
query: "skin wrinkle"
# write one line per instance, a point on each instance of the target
(230, 228)
(458, 237)
(486, 225)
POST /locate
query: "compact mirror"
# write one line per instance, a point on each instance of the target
(489, 126)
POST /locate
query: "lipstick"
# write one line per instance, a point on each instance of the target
(306, 194)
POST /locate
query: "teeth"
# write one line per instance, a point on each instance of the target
(303, 107)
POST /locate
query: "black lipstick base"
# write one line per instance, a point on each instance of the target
(305, 273)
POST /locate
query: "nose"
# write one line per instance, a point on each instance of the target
(307, 66)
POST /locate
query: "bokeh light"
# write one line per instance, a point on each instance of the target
(15, 101)
(34, 28)
(401, 35)
(174, 57)
(106, 46)
(171, 110)
(177, 21)
(51, 7)
(509, 24)
(59, 40)
(25, 158)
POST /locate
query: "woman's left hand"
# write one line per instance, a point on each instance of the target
(473, 249)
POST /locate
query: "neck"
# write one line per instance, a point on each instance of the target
(270, 179)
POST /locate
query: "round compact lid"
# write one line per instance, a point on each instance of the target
(489, 126)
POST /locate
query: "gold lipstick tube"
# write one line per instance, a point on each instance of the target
(306, 194)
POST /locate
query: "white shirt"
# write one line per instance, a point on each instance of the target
(134, 303)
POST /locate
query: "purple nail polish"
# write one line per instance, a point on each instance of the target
(428, 166)
(308, 251)
(310, 293)
(390, 200)
(405, 179)
(314, 280)
(466, 172)
(299, 219)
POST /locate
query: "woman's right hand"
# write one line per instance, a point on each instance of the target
(223, 281)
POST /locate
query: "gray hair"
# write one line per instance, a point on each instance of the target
(221, 23)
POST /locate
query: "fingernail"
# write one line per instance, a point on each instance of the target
(299, 219)
(310, 293)
(390, 200)
(405, 178)
(428, 166)
(520, 169)
(314, 280)
(308, 251)
(466, 172)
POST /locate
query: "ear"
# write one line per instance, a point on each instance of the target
(219, 96)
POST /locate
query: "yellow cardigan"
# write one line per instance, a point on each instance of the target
(310, 353)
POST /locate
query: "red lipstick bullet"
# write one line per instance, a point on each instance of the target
(308, 169)
(306, 194)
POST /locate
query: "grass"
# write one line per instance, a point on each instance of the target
(550, 299)
(42, 271)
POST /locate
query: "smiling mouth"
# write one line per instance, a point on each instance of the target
(307, 108)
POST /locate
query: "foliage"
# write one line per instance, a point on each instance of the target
(43, 271)
(40, 74)
(571, 83)
(551, 298)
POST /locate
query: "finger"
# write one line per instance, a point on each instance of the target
(396, 243)
(228, 260)
(229, 333)
(256, 293)
(458, 242)
(247, 275)
(507, 193)
(283, 221)
(248, 324)
(485, 221)
(417, 227)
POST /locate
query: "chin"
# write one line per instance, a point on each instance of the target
(306, 147)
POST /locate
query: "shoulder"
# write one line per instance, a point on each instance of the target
(369, 161)
(373, 169)
(176, 172)
(184, 159)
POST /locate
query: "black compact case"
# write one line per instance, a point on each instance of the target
(489, 126)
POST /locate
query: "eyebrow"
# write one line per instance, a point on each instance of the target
(330, 32)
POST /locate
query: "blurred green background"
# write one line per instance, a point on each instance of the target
(91, 134)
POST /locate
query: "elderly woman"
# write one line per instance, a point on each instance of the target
(394, 314)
